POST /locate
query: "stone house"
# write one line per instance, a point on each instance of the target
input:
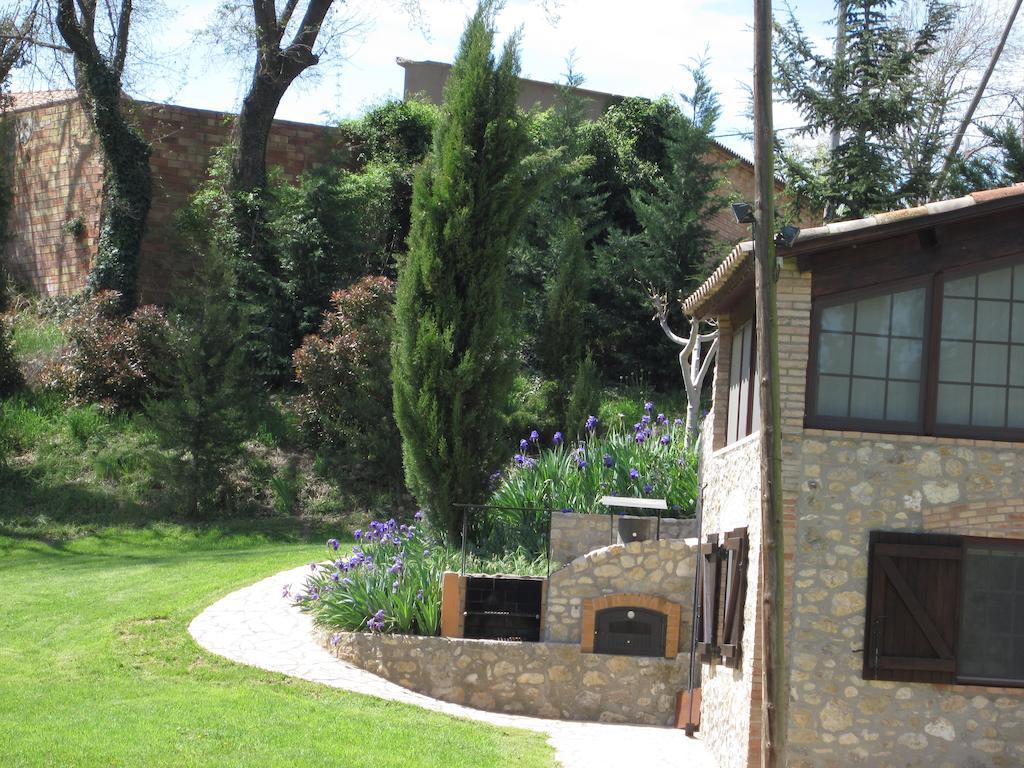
(56, 184)
(901, 346)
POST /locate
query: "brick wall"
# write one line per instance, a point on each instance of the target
(58, 176)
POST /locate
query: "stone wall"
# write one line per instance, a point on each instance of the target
(730, 697)
(574, 535)
(837, 487)
(552, 680)
(662, 568)
(853, 483)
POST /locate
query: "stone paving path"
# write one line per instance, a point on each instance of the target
(258, 627)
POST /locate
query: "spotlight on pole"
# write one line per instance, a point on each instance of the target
(788, 235)
(744, 213)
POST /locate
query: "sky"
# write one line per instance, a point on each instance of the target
(638, 48)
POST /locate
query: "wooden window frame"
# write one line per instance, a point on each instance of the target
(926, 424)
(721, 590)
(745, 420)
(942, 667)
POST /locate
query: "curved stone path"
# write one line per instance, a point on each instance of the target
(258, 627)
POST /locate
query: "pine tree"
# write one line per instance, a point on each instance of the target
(871, 92)
(452, 363)
(209, 396)
(674, 216)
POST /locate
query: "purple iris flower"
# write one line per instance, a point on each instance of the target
(333, 544)
(519, 459)
(661, 419)
(418, 516)
(634, 474)
(648, 488)
(557, 438)
(358, 534)
(665, 439)
(534, 436)
(608, 460)
(678, 422)
(591, 424)
(645, 419)
(419, 594)
(648, 406)
(524, 444)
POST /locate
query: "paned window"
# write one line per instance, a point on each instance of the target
(945, 609)
(939, 355)
(744, 416)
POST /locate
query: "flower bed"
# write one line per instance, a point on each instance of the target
(650, 459)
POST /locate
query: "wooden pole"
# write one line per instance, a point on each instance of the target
(771, 609)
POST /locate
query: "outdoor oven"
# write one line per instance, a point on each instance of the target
(630, 632)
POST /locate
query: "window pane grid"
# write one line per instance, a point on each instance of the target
(856, 376)
(992, 620)
(983, 394)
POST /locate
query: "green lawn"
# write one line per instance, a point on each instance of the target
(97, 667)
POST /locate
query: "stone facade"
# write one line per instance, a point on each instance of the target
(730, 697)
(574, 535)
(662, 568)
(552, 680)
(58, 178)
(837, 487)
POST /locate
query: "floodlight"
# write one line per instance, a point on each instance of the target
(744, 213)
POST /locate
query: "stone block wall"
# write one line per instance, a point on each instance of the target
(574, 535)
(58, 176)
(730, 697)
(837, 487)
(662, 568)
(552, 680)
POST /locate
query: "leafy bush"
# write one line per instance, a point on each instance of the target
(396, 130)
(391, 583)
(10, 373)
(648, 460)
(110, 360)
(345, 371)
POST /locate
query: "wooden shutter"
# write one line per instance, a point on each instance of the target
(707, 622)
(913, 607)
(735, 552)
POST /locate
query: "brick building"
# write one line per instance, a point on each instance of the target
(901, 378)
(57, 180)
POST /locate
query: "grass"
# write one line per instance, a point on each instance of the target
(99, 668)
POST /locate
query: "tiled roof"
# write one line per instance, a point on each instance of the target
(818, 237)
(30, 99)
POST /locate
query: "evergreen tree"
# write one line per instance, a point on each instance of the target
(675, 214)
(206, 408)
(452, 365)
(872, 91)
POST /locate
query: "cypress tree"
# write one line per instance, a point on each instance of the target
(452, 364)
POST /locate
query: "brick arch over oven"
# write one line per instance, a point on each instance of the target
(593, 605)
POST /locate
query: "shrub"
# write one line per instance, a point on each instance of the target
(345, 371)
(10, 374)
(110, 359)
(391, 583)
(648, 460)
(209, 402)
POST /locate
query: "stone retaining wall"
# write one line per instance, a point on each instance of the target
(662, 568)
(553, 680)
(574, 535)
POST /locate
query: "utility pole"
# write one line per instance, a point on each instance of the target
(773, 707)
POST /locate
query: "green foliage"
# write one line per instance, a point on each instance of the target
(345, 372)
(10, 374)
(532, 404)
(452, 363)
(110, 359)
(876, 90)
(395, 131)
(585, 396)
(650, 459)
(392, 583)
(286, 489)
(208, 399)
